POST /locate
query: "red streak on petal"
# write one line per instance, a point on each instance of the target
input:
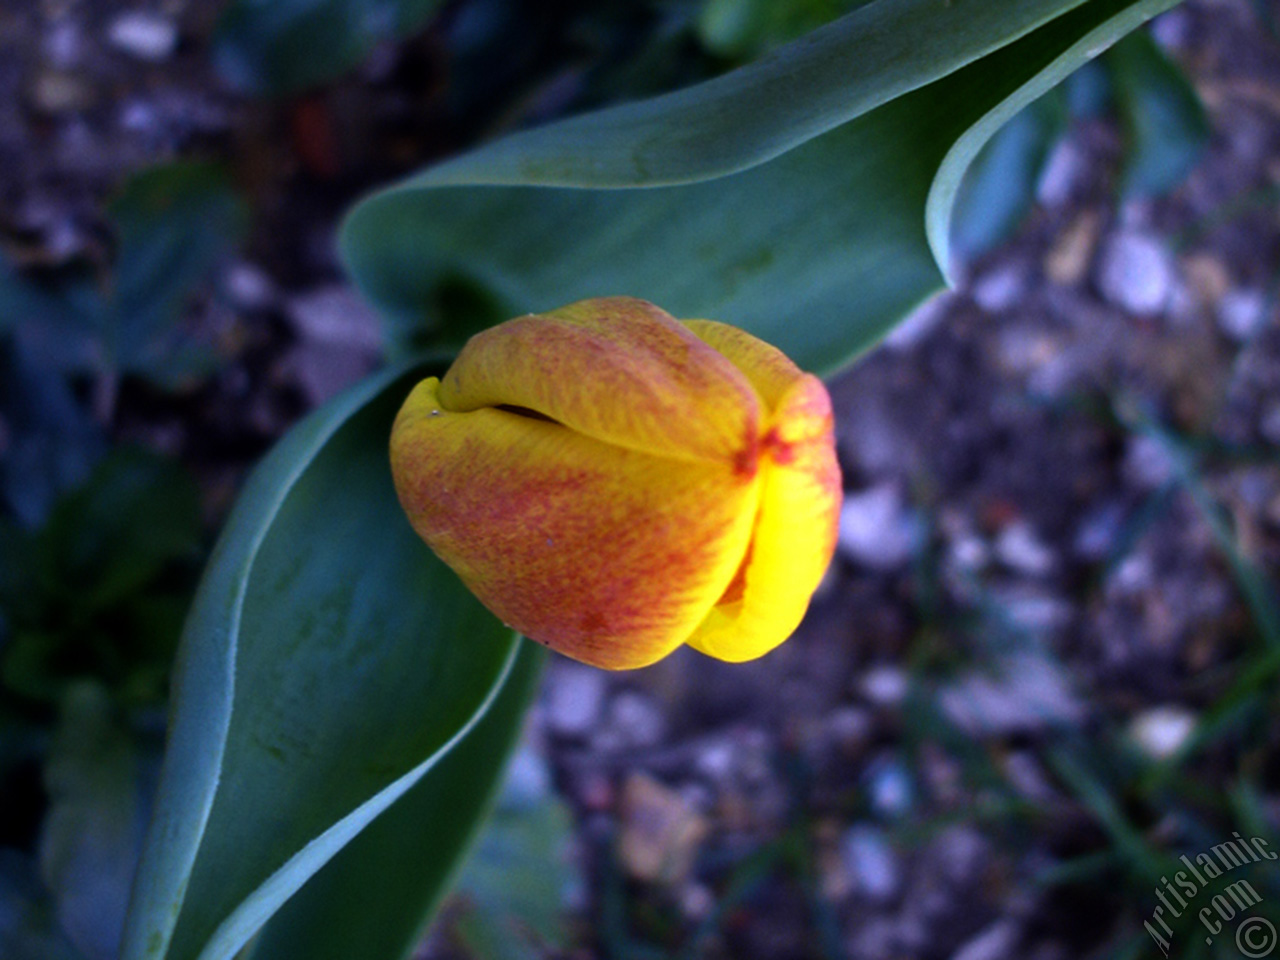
(779, 450)
(747, 460)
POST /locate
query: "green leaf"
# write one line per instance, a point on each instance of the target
(512, 889)
(868, 126)
(95, 591)
(28, 930)
(174, 223)
(52, 443)
(16, 577)
(1165, 124)
(328, 664)
(1088, 91)
(136, 514)
(279, 47)
(375, 897)
(65, 306)
(1000, 185)
(746, 28)
(91, 834)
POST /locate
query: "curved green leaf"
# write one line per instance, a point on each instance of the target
(374, 898)
(752, 114)
(329, 662)
(1000, 185)
(821, 250)
(1075, 39)
(1165, 124)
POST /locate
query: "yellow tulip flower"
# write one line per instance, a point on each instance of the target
(612, 482)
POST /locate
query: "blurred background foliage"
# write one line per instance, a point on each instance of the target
(101, 541)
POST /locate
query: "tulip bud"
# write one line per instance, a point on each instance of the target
(613, 483)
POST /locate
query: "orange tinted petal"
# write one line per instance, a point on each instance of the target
(770, 371)
(617, 369)
(609, 555)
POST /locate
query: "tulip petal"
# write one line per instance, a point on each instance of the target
(617, 369)
(606, 554)
(795, 530)
(770, 371)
